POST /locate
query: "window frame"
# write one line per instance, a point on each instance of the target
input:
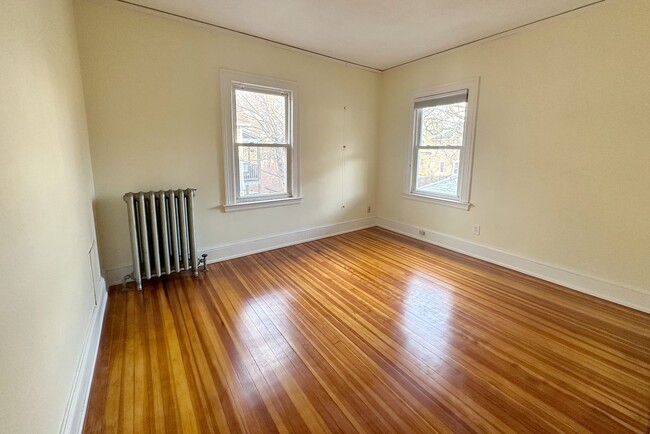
(462, 199)
(230, 82)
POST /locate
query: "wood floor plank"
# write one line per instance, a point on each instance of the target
(367, 332)
(501, 345)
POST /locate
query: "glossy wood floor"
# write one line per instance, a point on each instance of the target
(368, 332)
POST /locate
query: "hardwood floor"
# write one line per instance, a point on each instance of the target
(368, 332)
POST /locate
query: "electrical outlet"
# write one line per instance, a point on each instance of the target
(369, 209)
(476, 229)
(421, 232)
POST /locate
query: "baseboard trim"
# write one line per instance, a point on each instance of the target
(251, 246)
(75, 411)
(620, 294)
(617, 293)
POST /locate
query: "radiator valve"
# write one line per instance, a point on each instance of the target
(204, 261)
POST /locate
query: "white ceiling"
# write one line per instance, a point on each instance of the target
(379, 34)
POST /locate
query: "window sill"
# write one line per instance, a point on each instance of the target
(261, 204)
(439, 201)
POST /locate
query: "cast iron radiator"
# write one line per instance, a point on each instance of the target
(161, 224)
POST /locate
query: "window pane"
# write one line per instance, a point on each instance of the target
(262, 171)
(436, 174)
(443, 125)
(260, 117)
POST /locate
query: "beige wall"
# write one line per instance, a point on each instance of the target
(154, 115)
(560, 159)
(560, 170)
(46, 222)
(562, 151)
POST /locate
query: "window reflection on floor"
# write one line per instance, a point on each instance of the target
(427, 310)
(268, 349)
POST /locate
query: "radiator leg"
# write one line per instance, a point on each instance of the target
(136, 278)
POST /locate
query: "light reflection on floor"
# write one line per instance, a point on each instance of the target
(426, 309)
(268, 349)
(426, 313)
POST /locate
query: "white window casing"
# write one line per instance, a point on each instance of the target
(452, 93)
(231, 81)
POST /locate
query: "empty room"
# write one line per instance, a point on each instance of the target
(303, 216)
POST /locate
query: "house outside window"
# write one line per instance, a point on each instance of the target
(441, 146)
(260, 141)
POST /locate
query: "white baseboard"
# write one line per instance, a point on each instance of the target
(75, 411)
(617, 293)
(620, 294)
(238, 249)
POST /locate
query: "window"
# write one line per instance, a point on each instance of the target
(440, 157)
(260, 141)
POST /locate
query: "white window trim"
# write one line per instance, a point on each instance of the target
(228, 79)
(467, 152)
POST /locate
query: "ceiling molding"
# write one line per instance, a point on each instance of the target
(495, 35)
(349, 62)
(292, 47)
